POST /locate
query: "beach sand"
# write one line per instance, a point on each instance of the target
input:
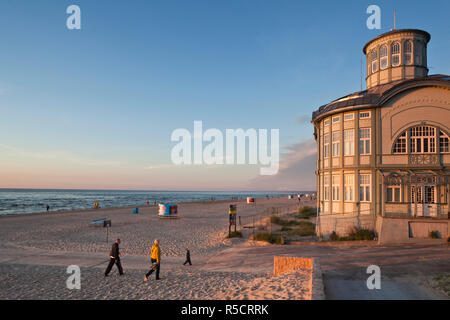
(36, 249)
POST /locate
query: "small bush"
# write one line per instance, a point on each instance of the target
(434, 234)
(286, 229)
(271, 238)
(334, 236)
(354, 235)
(235, 234)
(304, 228)
(283, 222)
(306, 212)
(359, 234)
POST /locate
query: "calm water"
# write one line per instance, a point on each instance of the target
(16, 201)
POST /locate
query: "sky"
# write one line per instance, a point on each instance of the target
(95, 108)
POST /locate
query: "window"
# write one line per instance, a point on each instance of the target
(407, 50)
(395, 54)
(327, 122)
(364, 115)
(393, 194)
(443, 142)
(336, 144)
(400, 144)
(423, 139)
(326, 146)
(349, 143)
(364, 188)
(418, 53)
(374, 59)
(349, 182)
(335, 187)
(336, 119)
(348, 116)
(326, 187)
(383, 57)
(364, 141)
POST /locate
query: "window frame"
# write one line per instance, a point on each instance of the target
(395, 54)
(408, 52)
(442, 137)
(384, 57)
(349, 187)
(374, 60)
(335, 187)
(349, 114)
(365, 186)
(326, 187)
(349, 143)
(393, 195)
(335, 144)
(366, 142)
(361, 113)
(326, 146)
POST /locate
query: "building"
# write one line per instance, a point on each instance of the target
(383, 155)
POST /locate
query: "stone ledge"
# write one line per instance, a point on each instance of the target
(285, 264)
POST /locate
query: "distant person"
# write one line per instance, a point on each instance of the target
(155, 258)
(114, 256)
(148, 203)
(188, 257)
(48, 208)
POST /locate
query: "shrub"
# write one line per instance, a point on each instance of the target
(283, 222)
(359, 234)
(235, 234)
(306, 212)
(434, 234)
(304, 228)
(271, 238)
(286, 229)
(334, 236)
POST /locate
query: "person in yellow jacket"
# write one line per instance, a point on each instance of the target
(155, 257)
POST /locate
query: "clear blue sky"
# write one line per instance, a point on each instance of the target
(94, 107)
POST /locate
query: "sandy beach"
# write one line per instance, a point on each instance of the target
(37, 248)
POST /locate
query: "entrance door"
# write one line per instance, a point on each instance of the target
(429, 203)
(417, 200)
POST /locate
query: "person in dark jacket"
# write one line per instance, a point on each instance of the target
(114, 256)
(188, 257)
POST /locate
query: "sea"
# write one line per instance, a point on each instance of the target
(20, 201)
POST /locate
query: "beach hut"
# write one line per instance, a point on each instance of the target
(168, 210)
(250, 200)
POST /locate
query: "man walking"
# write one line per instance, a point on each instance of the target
(188, 257)
(114, 256)
(155, 258)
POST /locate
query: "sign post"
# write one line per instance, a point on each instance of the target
(232, 215)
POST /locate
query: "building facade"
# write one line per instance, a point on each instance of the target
(384, 152)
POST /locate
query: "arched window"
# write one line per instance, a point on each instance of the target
(400, 144)
(421, 139)
(443, 142)
(418, 54)
(408, 50)
(395, 54)
(374, 59)
(383, 57)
